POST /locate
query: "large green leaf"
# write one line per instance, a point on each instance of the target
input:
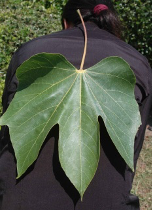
(51, 91)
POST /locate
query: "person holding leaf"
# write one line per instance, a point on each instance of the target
(44, 185)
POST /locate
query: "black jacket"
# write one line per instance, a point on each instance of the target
(45, 186)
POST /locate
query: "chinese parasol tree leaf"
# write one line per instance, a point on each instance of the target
(52, 91)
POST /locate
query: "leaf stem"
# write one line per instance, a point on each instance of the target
(85, 38)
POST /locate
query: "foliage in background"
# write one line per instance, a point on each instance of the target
(22, 20)
(1, 89)
(137, 18)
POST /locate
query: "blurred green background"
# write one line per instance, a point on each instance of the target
(23, 20)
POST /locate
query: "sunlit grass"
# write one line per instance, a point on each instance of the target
(143, 179)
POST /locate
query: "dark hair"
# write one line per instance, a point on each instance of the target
(106, 19)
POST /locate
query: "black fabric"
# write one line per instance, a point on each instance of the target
(45, 186)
